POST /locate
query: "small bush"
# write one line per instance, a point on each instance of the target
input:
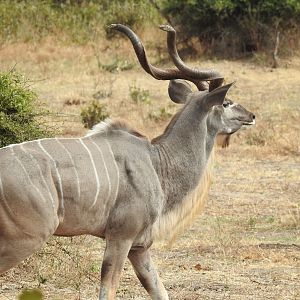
(18, 111)
(162, 115)
(33, 294)
(93, 113)
(235, 26)
(75, 20)
(130, 12)
(116, 65)
(139, 95)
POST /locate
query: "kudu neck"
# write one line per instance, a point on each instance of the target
(191, 132)
(182, 153)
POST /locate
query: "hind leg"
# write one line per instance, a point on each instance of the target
(13, 250)
(18, 241)
(20, 238)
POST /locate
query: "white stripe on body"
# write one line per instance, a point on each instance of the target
(55, 167)
(1, 189)
(12, 213)
(4, 198)
(25, 171)
(41, 173)
(73, 163)
(38, 140)
(95, 170)
(117, 168)
(106, 171)
(57, 172)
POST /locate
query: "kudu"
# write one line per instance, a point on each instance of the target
(114, 183)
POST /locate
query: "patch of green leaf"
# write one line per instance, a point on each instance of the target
(93, 113)
(139, 95)
(33, 294)
(20, 114)
(162, 114)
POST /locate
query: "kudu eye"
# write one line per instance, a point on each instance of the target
(226, 104)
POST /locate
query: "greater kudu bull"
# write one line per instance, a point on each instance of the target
(114, 183)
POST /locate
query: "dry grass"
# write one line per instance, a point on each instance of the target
(245, 245)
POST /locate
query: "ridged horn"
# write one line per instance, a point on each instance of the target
(200, 75)
(197, 76)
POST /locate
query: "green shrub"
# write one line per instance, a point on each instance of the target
(19, 114)
(134, 13)
(33, 294)
(162, 114)
(75, 20)
(234, 26)
(139, 95)
(116, 65)
(93, 113)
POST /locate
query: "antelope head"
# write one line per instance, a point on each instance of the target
(230, 115)
(225, 116)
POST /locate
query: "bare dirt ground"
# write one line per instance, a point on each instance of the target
(246, 244)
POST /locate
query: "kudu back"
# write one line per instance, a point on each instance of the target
(114, 183)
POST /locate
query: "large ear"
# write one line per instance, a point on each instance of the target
(216, 97)
(179, 90)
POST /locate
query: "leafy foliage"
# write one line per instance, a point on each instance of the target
(93, 113)
(18, 111)
(116, 65)
(34, 294)
(75, 20)
(139, 95)
(162, 114)
(240, 24)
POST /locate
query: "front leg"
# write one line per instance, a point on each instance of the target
(147, 274)
(116, 252)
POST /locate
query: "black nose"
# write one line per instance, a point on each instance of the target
(253, 117)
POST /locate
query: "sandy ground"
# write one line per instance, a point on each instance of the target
(246, 245)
